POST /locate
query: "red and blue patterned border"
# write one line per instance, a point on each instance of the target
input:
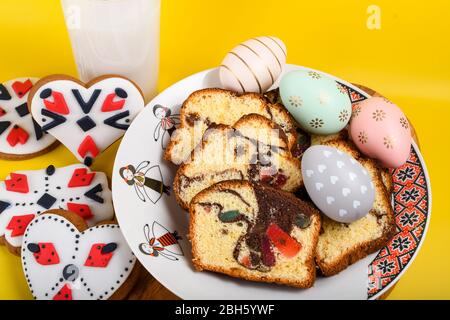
(411, 203)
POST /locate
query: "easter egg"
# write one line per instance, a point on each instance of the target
(337, 184)
(318, 103)
(381, 131)
(253, 65)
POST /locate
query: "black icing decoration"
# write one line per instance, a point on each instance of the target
(110, 247)
(33, 247)
(88, 161)
(86, 106)
(71, 272)
(4, 94)
(46, 201)
(38, 130)
(4, 205)
(4, 125)
(114, 121)
(86, 123)
(46, 93)
(22, 110)
(50, 170)
(57, 119)
(121, 93)
(92, 194)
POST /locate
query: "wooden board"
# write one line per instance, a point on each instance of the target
(148, 288)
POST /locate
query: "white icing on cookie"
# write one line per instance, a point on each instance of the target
(66, 269)
(25, 138)
(87, 121)
(22, 198)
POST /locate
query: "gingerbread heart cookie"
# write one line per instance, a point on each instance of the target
(26, 194)
(86, 118)
(20, 136)
(64, 260)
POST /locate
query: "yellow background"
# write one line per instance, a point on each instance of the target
(408, 60)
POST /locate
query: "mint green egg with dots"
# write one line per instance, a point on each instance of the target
(316, 101)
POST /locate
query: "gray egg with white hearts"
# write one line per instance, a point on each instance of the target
(337, 184)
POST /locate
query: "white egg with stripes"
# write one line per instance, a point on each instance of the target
(253, 65)
(337, 183)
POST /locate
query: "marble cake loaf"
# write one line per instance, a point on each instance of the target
(217, 106)
(340, 244)
(254, 232)
(254, 149)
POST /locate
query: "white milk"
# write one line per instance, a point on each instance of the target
(115, 37)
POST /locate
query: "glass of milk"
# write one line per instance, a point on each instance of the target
(116, 37)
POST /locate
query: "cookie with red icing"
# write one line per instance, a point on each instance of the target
(20, 136)
(64, 260)
(26, 194)
(86, 118)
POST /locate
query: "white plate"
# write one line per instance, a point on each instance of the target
(145, 140)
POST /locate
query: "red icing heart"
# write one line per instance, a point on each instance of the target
(96, 258)
(64, 294)
(88, 146)
(17, 135)
(58, 105)
(22, 88)
(81, 178)
(18, 224)
(82, 210)
(47, 254)
(17, 183)
(110, 105)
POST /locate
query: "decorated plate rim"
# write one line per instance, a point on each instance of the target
(425, 231)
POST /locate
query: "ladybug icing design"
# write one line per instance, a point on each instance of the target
(26, 194)
(20, 135)
(61, 262)
(87, 119)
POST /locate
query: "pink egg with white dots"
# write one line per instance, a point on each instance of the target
(381, 131)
